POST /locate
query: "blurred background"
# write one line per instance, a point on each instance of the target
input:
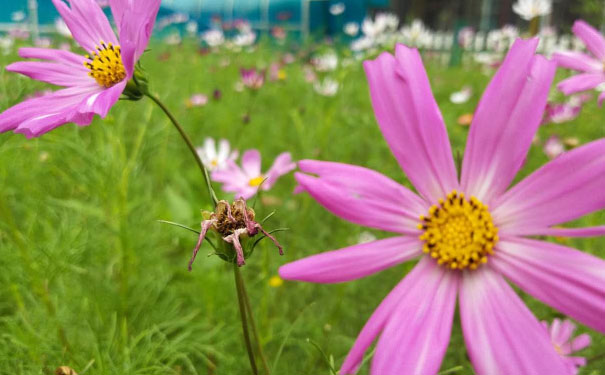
(314, 17)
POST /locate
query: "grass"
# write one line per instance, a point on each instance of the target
(90, 279)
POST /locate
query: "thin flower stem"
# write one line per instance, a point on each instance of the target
(190, 145)
(239, 286)
(254, 330)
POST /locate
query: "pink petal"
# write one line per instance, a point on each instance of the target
(54, 55)
(577, 61)
(506, 121)
(591, 37)
(578, 343)
(581, 82)
(282, 165)
(571, 232)
(601, 98)
(102, 102)
(561, 331)
(251, 163)
(87, 23)
(351, 193)
(410, 121)
(566, 279)
(501, 334)
(352, 262)
(381, 315)
(53, 73)
(135, 20)
(564, 189)
(417, 334)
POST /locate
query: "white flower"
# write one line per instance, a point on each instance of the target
(245, 39)
(173, 39)
(389, 21)
(327, 87)
(191, 27)
(326, 62)
(6, 44)
(337, 9)
(18, 16)
(351, 28)
(362, 44)
(416, 34)
(383, 23)
(553, 147)
(365, 237)
(213, 159)
(62, 28)
(529, 9)
(461, 96)
(213, 38)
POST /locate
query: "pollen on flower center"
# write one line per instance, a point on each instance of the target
(458, 233)
(256, 181)
(105, 65)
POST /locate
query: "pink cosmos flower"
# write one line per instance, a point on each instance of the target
(470, 233)
(559, 113)
(591, 68)
(253, 78)
(245, 181)
(560, 333)
(553, 147)
(94, 82)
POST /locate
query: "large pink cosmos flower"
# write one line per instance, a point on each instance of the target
(94, 82)
(591, 68)
(245, 181)
(470, 233)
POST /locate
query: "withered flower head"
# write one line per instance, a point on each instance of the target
(232, 222)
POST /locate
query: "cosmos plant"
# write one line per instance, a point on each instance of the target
(470, 233)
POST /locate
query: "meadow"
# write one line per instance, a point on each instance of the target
(92, 280)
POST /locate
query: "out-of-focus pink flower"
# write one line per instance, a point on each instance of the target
(471, 232)
(288, 58)
(279, 33)
(94, 82)
(253, 78)
(43, 42)
(18, 33)
(245, 181)
(216, 159)
(561, 333)
(465, 37)
(559, 113)
(553, 147)
(310, 75)
(197, 100)
(591, 68)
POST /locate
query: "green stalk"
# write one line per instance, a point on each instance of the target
(253, 326)
(239, 286)
(190, 145)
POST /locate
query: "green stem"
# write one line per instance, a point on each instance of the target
(239, 286)
(534, 25)
(254, 331)
(189, 144)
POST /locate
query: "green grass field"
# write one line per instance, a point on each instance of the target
(90, 279)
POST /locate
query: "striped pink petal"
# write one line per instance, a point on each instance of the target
(591, 37)
(501, 334)
(571, 281)
(411, 122)
(506, 121)
(352, 262)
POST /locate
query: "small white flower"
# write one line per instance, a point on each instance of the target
(191, 27)
(326, 63)
(62, 28)
(416, 34)
(461, 96)
(18, 16)
(553, 147)
(327, 87)
(362, 44)
(6, 44)
(213, 159)
(245, 39)
(213, 38)
(337, 9)
(351, 28)
(529, 9)
(365, 237)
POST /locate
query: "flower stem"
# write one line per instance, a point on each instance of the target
(189, 145)
(253, 326)
(239, 286)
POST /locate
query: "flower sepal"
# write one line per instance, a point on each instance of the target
(137, 86)
(235, 226)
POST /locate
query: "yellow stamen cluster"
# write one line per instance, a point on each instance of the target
(459, 233)
(256, 181)
(105, 65)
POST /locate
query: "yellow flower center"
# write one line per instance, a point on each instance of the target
(459, 233)
(214, 163)
(105, 65)
(256, 181)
